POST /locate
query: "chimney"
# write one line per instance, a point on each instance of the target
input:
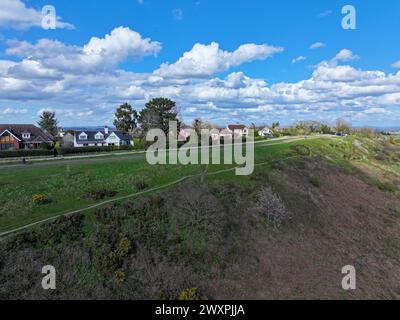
(106, 129)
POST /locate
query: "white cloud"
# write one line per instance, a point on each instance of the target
(10, 111)
(396, 65)
(345, 55)
(98, 54)
(15, 14)
(298, 59)
(317, 45)
(334, 89)
(205, 60)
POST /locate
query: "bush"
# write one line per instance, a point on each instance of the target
(271, 205)
(124, 247)
(301, 150)
(25, 153)
(315, 181)
(120, 275)
(140, 182)
(40, 199)
(64, 151)
(190, 294)
(387, 186)
(65, 227)
(101, 194)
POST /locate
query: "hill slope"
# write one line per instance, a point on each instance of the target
(284, 232)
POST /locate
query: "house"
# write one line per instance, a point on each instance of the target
(264, 132)
(238, 129)
(23, 136)
(104, 137)
(185, 132)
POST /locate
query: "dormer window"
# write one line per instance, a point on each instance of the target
(26, 135)
(99, 136)
(83, 136)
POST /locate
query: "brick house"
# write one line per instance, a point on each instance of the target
(23, 136)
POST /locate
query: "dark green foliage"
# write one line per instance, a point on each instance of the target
(315, 181)
(25, 153)
(64, 151)
(49, 122)
(126, 118)
(100, 194)
(157, 113)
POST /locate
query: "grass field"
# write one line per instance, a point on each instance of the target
(67, 184)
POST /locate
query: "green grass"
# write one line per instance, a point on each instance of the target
(67, 184)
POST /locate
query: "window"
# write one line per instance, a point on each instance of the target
(26, 135)
(6, 146)
(83, 136)
(99, 136)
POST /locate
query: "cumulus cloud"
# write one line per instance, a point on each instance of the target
(98, 54)
(396, 65)
(44, 79)
(344, 55)
(206, 60)
(317, 45)
(15, 14)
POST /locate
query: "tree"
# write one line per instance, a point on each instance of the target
(126, 118)
(198, 125)
(48, 122)
(275, 125)
(157, 113)
(343, 126)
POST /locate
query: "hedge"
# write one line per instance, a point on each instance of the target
(64, 151)
(25, 153)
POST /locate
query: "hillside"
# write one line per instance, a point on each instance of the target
(311, 207)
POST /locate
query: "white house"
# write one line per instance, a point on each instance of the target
(186, 132)
(265, 132)
(106, 137)
(238, 129)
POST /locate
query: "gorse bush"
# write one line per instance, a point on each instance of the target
(39, 199)
(190, 294)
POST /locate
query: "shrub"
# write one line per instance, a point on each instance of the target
(65, 227)
(190, 294)
(119, 275)
(25, 153)
(271, 205)
(100, 194)
(40, 199)
(387, 186)
(315, 181)
(123, 248)
(64, 151)
(140, 182)
(301, 150)
(107, 214)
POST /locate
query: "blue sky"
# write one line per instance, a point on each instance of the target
(275, 76)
